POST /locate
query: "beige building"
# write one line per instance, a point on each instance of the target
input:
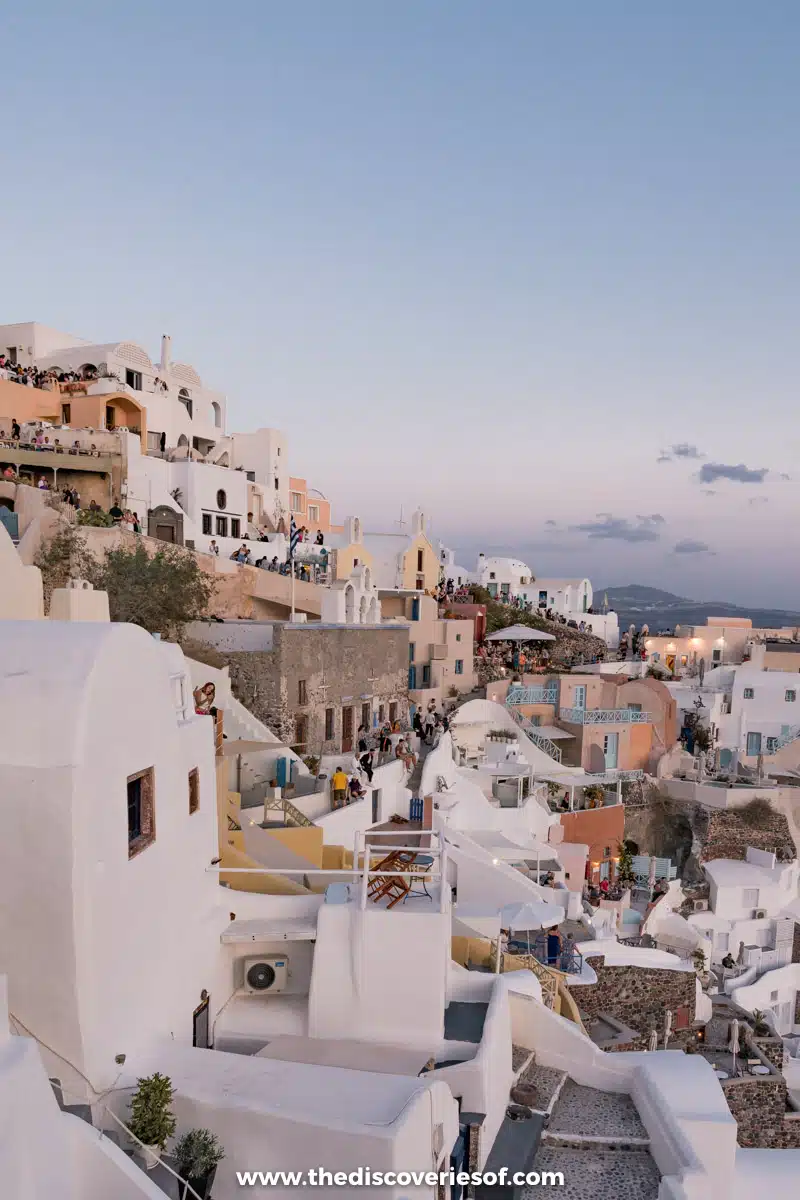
(440, 650)
(722, 641)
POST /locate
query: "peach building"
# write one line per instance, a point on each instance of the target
(309, 507)
(602, 830)
(440, 650)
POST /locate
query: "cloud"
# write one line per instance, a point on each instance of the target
(552, 524)
(754, 501)
(785, 476)
(709, 492)
(739, 473)
(679, 450)
(690, 546)
(621, 529)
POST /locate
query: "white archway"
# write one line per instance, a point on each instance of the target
(216, 412)
(373, 611)
(349, 604)
(363, 607)
(367, 579)
(183, 440)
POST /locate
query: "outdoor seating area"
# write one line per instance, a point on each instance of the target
(413, 868)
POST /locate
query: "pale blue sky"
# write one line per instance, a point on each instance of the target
(489, 257)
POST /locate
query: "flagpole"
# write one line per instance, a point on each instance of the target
(291, 564)
(292, 539)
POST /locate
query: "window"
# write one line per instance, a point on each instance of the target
(411, 651)
(716, 655)
(109, 416)
(750, 898)
(606, 852)
(302, 692)
(721, 941)
(366, 715)
(141, 811)
(426, 676)
(459, 666)
(393, 711)
(207, 523)
(492, 575)
(381, 713)
(684, 660)
(655, 656)
(420, 560)
(194, 790)
(790, 697)
(277, 485)
(753, 743)
(634, 707)
(236, 527)
(458, 637)
(296, 499)
(133, 379)
(300, 732)
(186, 400)
(222, 526)
(749, 693)
(772, 745)
(222, 499)
(66, 414)
(330, 730)
(313, 513)
(773, 996)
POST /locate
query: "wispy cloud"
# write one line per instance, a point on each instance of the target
(709, 492)
(679, 450)
(690, 546)
(551, 524)
(621, 529)
(755, 501)
(739, 473)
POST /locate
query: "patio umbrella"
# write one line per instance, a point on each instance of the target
(520, 633)
(533, 914)
(734, 1044)
(652, 1041)
(667, 1026)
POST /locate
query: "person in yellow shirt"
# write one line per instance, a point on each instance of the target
(339, 784)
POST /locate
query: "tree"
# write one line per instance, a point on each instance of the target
(625, 873)
(65, 556)
(162, 593)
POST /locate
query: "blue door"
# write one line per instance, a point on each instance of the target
(611, 750)
(412, 678)
(281, 773)
(415, 609)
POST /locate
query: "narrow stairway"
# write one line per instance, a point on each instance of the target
(596, 1139)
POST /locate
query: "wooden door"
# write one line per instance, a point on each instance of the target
(347, 730)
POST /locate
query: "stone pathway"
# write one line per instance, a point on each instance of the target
(537, 1086)
(589, 1113)
(596, 1174)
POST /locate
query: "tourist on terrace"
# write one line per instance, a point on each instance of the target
(116, 513)
(339, 785)
(204, 700)
(213, 548)
(365, 762)
(94, 506)
(355, 789)
(363, 744)
(554, 946)
(43, 485)
(15, 430)
(320, 539)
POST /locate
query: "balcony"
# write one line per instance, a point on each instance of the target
(604, 716)
(49, 460)
(532, 695)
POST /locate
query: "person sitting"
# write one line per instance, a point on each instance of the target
(355, 789)
(402, 751)
(339, 785)
(728, 962)
(43, 485)
(94, 506)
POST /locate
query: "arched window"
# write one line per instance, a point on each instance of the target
(186, 400)
(217, 414)
(367, 579)
(88, 371)
(356, 530)
(362, 614)
(222, 499)
(349, 603)
(183, 440)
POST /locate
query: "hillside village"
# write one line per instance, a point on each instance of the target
(324, 852)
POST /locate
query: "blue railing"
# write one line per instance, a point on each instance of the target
(532, 695)
(604, 716)
(569, 959)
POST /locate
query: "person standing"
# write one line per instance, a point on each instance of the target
(214, 548)
(339, 785)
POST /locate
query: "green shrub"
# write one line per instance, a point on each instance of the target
(152, 1120)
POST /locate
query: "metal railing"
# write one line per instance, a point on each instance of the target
(568, 960)
(291, 813)
(532, 694)
(790, 735)
(604, 716)
(539, 740)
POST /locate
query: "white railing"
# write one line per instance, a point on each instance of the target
(790, 735)
(532, 695)
(604, 716)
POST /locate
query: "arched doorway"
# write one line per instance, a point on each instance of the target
(349, 604)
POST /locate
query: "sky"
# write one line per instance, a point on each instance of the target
(534, 268)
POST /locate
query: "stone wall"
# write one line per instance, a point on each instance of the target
(772, 1050)
(640, 997)
(759, 1106)
(728, 835)
(340, 667)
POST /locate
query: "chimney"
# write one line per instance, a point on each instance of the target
(166, 347)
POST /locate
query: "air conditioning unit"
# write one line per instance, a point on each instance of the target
(262, 975)
(700, 906)
(759, 914)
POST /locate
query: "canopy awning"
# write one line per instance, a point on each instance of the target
(552, 732)
(262, 929)
(502, 847)
(520, 633)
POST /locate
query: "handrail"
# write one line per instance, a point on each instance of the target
(604, 716)
(532, 694)
(288, 809)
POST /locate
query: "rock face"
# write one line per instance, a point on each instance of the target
(759, 1106)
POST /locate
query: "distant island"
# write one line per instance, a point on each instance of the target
(639, 605)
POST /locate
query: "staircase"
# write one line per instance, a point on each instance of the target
(545, 744)
(291, 813)
(596, 1139)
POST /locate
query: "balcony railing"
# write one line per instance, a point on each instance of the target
(532, 695)
(543, 743)
(568, 959)
(790, 735)
(604, 716)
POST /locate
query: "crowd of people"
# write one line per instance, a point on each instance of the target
(38, 377)
(448, 593)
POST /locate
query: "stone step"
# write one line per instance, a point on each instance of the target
(595, 1174)
(538, 1088)
(603, 1117)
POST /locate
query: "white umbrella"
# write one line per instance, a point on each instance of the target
(533, 914)
(652, 1042)
(667, 1027)
(520, 633)
(734, 1044)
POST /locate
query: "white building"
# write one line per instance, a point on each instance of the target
(763, 711)
(450, 568)
(563, 596)
(503, 578)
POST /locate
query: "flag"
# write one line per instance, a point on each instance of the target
(294, 537)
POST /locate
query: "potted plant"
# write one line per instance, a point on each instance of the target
(152, 1122)
(198, 1153)
(699, 960)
